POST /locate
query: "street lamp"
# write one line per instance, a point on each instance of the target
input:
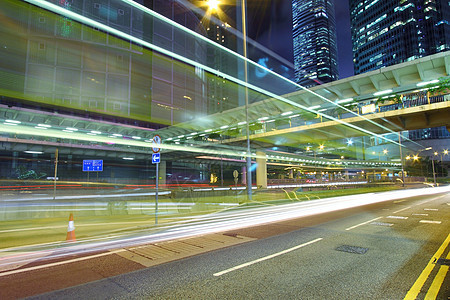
(214, 5)
(445, 152)
(249, 159)
(432, 163)
(401, 157)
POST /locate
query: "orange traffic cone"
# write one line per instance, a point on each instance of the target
(71, 230)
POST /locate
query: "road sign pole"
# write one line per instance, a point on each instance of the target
(156, 141)
(156, 195)
(56, 173)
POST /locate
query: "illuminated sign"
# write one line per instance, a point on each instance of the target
(93, 165)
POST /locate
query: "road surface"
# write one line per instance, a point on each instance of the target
(388, 250)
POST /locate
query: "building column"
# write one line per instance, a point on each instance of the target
(261, 170)
(291, 174)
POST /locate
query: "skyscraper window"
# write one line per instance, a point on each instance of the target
(396, 33)
(314, 35)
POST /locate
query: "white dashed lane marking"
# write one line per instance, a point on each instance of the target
(397, 217)
(430, 222)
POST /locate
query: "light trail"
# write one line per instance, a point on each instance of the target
(91, 196)
(226, 220)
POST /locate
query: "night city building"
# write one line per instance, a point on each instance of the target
(315, 46)
(385, 33)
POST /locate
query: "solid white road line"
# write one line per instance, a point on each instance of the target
(364, 223)
(266, 258)
(402, 209)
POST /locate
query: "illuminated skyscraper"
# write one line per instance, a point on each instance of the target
(385, 33)
(315, 47)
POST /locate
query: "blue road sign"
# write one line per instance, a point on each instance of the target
(93, 165)
(156, 157)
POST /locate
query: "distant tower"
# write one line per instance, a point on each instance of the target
(315, 46)
(386, 33)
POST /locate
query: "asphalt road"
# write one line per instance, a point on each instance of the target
(379, 251)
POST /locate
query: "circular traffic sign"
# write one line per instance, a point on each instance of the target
(156, 143)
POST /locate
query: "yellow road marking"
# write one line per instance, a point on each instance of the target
(437, 282)
(415, 289)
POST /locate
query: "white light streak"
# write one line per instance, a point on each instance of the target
(382, 92)
(13, 121)
(428, 82)
(345, 100)
(33, 152)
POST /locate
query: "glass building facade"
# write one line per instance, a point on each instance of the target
(385, 33)
(315, 47)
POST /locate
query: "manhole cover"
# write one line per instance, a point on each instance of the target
(352, 249)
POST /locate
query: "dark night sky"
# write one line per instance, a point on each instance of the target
(270, 23)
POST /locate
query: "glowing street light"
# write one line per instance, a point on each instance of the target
(213, 4)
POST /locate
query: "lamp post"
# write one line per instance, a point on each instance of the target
(401, 158)
(247, 125)
(432, 163)
(214, 5)
(445, 152)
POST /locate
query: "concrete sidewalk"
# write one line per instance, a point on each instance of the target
(46, 275)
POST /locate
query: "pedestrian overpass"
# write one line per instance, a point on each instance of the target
(78, 105)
